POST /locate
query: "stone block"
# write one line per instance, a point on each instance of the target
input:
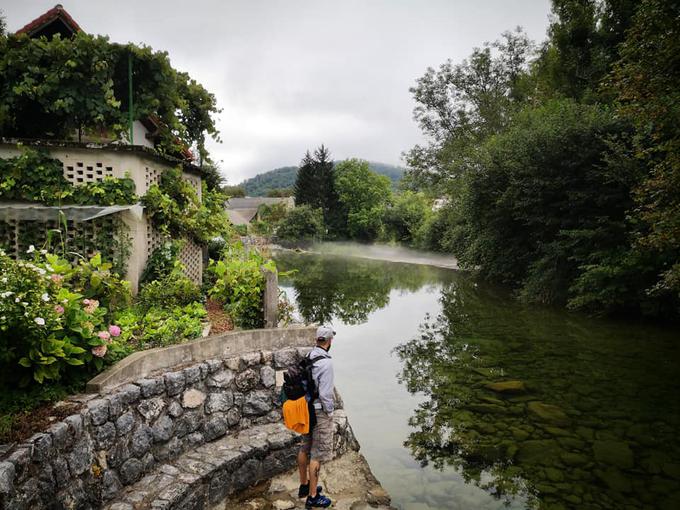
(257, 403)
(80, 458)
(21, 459)
(129, 393)
(236, 364)
(98, 410)
(267, 376)
(151, 408)
(151, 387)
(174, 383)
(141, 441)
(125, 423)
(247, 380)
(219, 402)
(188, 423)
(215, 427)
(104, 436)
(119, 453)
(213, 365)
(285, 358)
(61, 438)
(62, 476)
(131, 471)
(175, 409)
(192, 374)
(75, 425)
(252, 359)
(163, 429)
(233, 416)
(221, 379)
(7, 473)
(195, 439)
(110, 485)
(42, 446)
(267, 357)
(192, 399)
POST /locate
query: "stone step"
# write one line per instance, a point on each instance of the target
(208, 474)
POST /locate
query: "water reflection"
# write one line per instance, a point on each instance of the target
(349, 289)
(567, 412)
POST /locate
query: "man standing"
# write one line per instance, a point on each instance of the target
(317, 446)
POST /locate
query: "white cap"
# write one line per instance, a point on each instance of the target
(324, 333)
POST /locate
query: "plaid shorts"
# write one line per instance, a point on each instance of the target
(319, 444)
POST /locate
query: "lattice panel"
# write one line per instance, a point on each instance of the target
(8, 236)
(194, 181)
(154, 239)
(191, 257)
(82, 172)
(152, 176)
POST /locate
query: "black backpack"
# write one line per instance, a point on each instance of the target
(298, 380)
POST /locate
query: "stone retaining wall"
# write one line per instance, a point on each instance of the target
(115, 439)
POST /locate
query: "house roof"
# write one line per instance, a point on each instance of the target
(241, 216)
(26, 211)
(255, 202)
(54, 21)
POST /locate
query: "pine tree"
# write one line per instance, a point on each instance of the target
(306, 184)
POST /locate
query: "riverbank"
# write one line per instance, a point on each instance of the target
(347, 480)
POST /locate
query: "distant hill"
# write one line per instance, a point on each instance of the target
(284, 177)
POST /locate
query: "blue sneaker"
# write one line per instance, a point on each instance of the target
(303, 491)
(320, 501)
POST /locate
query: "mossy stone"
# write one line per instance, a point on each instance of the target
(616, 453)
(519, 434)
(506, 387)
(573, 459)
(556, 431)
(538, 451)
(487, 409)
(571, 443)
(671, 470)
(553, 474)
(548, 413)
(615, 480)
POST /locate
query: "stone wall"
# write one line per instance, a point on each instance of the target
(87, 459)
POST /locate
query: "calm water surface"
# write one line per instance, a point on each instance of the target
(464, 399)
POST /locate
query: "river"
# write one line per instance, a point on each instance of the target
(463, 398)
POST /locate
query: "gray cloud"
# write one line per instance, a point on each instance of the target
(292, 74)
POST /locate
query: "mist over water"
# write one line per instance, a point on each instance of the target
(385, 252)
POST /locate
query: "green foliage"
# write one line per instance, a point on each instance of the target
(239, 284)
(172, 290)
(301, 223)
(234, 191)
(34, 176)
(55, 87)
(364, 196)
(270, 216)
(280, 192)
(315, 185)
(160, 326)
(406, 218)
(55, 318)
(176, 211)
(161, 262)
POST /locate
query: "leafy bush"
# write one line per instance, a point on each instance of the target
(161, 261)
(405, 218)
(52, 322)
(239, 285)
(302, 223)
(158, 327)
(174, 289)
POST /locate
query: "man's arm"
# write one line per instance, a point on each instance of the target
(326, 384)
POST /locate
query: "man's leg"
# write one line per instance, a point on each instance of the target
(303, 464)
(314, 468)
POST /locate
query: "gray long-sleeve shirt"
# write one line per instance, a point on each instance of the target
(322, 372)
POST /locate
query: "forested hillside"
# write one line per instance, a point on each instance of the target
(284, 178)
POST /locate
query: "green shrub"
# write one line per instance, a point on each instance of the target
(302, 223)
(161, 262)
(239, 285)
(158, 327)
(172, 290)
(52, 322)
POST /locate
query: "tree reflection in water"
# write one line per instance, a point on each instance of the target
(349, 289)
(568, 412)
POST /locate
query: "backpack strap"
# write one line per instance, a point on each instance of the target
(316, 358)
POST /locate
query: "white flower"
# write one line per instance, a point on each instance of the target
(43, 252)
(4, 280)
(6, 294)
(16, 300)
(49, 268)
(45, 297)
(39, 321)
(31, 249)
(24, 303)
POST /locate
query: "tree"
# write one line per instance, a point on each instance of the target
(363, 197)
(405, 218)
(301, 223)
(54, 87)
(314, 185)
(461, 105)
(234, 191)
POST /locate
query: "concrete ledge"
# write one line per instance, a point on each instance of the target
(140, 364)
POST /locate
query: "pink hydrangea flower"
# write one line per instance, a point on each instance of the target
(104, 335)
(99, 351)
(57, 278)
(59, 309)
(91, 305)
(114, 330)
(86, 302)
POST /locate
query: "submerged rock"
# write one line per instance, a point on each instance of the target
(539, 451)
(616, 453)
(549, 413)
(506, 387)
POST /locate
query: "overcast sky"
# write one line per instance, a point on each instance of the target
(292, 74)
